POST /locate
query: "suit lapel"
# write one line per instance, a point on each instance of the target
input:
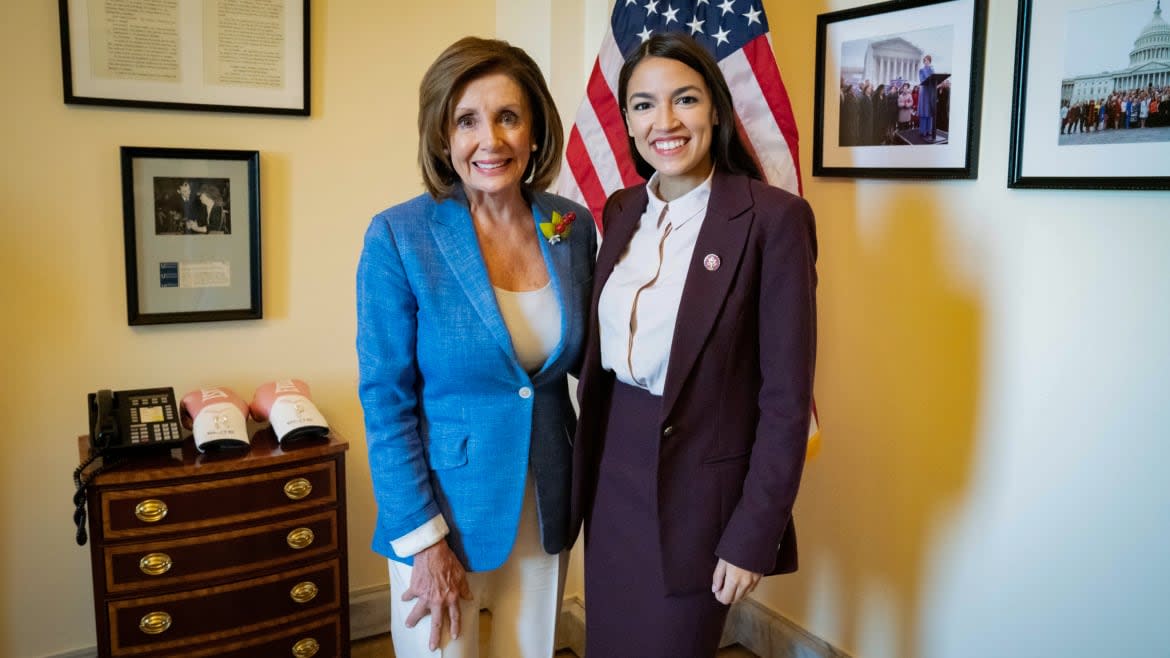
(621, 220)
(558, 259)
(455, 235)
(627, 208)
(724, 233)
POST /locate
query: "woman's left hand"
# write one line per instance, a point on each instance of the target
(731, 584)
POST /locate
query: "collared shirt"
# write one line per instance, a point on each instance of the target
(639, 305)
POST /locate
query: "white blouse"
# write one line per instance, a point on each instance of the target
(533, 318)
(639, 304)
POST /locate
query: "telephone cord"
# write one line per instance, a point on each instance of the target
(81, 480)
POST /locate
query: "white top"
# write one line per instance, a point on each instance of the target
(639, 304)
(533, 318)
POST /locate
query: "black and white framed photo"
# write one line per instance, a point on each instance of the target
(1092, 96)
(898, 89)
(210, 55)
(191, 223)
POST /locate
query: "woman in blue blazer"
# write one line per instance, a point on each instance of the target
(697, 382)
(471, 311)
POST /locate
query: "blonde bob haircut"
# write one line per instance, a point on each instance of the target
(463, 61)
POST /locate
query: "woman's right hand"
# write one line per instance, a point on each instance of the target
(438, 581)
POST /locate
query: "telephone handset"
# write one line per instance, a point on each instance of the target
(123, 423)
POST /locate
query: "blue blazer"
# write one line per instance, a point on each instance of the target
(454, 424)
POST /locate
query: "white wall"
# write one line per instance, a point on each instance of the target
(992, 362)
(993, 387)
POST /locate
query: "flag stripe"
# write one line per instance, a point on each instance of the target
(588, 184)
(759, 123)
(763, 62)
(609, 117)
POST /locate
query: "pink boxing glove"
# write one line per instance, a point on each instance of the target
(286, 404)
(217, 416)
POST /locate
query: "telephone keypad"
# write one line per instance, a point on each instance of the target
(152, 419)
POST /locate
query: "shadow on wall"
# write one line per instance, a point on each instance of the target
(898, 379)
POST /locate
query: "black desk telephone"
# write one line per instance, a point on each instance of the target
(126, 421)
(122, 423)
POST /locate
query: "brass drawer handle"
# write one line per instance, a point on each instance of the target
(151, 511)
(297, 488)
(153, 623)
(306, 648)
(155, 564)
(300, 538)
(303, 592)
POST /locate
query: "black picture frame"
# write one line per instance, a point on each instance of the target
(255, 72)
(185, 250)
(884, 39)
(1109, 155)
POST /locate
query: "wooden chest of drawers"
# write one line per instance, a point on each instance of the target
(233, 554)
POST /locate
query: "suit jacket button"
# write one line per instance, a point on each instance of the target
(667, 431)
(525, 392)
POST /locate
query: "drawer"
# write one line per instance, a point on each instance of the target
(147, 512)
(320, 638)
(161, 624)
(182, 562)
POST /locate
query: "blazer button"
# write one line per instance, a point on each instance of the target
(667, 431)
(525, 392)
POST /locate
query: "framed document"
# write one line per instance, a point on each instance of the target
(191, 224)
(211, 55)
(898, 90)
(1091, 107)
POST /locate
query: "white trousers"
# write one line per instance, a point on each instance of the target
(523, 595)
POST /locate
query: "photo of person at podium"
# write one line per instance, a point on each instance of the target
(913, 69)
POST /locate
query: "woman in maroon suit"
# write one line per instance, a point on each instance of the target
(697, 381)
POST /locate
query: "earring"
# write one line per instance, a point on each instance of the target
(534, 148)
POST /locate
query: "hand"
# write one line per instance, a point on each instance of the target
(438, 581)
(730, 584)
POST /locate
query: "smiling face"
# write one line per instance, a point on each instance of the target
(670, 116)
(490, 138)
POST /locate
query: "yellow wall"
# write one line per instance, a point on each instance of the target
(992, 362)
(62, 289)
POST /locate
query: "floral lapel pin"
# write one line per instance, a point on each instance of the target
(558, 228)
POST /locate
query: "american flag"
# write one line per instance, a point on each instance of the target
(597, 158)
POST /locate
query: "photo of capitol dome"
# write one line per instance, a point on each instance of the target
(1117, 75)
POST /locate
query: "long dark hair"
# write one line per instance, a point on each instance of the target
(728, 152)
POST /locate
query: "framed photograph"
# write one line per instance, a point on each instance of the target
(211, 55)
(898, 89)
(1092, 96)
(191, 222)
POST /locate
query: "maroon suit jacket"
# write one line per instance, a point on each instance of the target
(737, 398)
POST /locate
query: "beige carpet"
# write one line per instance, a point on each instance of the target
(380, 646)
